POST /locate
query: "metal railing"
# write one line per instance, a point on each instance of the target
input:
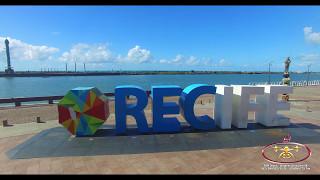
(18, 100)
(292, 83)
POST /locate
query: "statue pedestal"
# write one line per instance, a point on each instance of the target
(286, 81)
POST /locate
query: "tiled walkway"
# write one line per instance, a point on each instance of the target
(244, 160)
(234, 160)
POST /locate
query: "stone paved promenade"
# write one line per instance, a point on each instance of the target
(217, 152)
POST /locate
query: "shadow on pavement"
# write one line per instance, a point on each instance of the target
(57, 142)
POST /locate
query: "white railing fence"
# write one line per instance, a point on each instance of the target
(292, 83)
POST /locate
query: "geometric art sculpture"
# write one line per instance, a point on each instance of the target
(83, 110)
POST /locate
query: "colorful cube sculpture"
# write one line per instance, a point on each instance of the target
(83, 110)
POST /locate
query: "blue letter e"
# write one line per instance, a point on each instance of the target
(187, 100)
(160, 108)
(122, 109)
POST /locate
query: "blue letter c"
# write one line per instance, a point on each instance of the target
(187, 100)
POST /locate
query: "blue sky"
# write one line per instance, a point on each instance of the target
(242, 38)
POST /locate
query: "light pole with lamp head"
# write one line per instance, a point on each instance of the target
(269, 74)
(308, 76)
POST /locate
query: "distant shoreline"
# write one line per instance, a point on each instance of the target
(110, 73)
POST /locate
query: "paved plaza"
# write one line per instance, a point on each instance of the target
(47, 148)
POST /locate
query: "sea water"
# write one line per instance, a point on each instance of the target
(59, 85)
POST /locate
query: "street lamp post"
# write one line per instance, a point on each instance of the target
(308, 75)
(269, 73)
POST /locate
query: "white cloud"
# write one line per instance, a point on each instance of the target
(163, 61)
(137, 55)
(23, 51)
(192, 61)
(309, 59)
(207, 62)
(310, 36)
(97, 54)
(81, 52)
(222, 62)
(177, 60)
(180, 59)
